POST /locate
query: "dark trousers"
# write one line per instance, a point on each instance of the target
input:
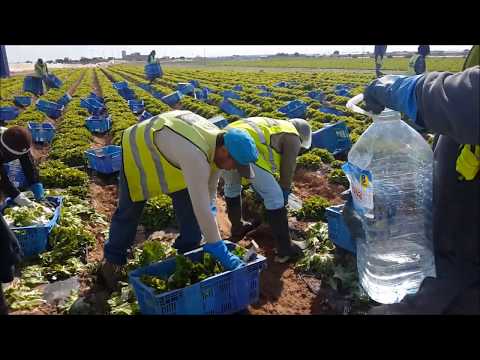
(127, 216)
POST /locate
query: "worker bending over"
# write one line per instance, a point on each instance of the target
(180, 154)
(279, 142)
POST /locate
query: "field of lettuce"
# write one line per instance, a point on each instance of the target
(323, 282)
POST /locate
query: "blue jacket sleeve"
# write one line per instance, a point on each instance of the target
(448, 104)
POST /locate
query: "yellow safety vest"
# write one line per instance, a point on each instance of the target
(411, 64)
(147, 171)
(468, 160)
(261, 129)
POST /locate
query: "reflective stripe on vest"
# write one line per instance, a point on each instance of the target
(261, 129)
(468, 162)
(147, 171)
(411, 64)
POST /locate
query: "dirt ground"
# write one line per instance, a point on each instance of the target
(308, 183)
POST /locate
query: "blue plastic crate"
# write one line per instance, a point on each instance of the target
(127, 94)
(335, 138)
(316, 95)
(96, 97)
(145, 116)
(98, 124)
(8, 113)
(146, 87)
(185, 88)
(153, 71)
(219, 121)
(41, 132)
(105, 160)
(120, 85)
(200, 95)
(343, 86)
(330, 110)
(64, 100)
(173, 98)
(53, 81)
(137, 106)
(93, 106)
(238, 88)
(15, 174)
(34, 239)
(22, 101)
(194, 83)
(229, 94)
(342, 92)
(231, 109)
(294, 109)
(225, 293)
(50, 108)
(33, 85)
(337, 229)
(281, 84)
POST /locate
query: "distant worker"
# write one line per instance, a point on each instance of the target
(417, 64)
(180, 154)
(379, 53)
(279, 142)
(446, 104)
(151, 57)
(41, 71)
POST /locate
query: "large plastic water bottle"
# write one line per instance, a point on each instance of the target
(390, 172)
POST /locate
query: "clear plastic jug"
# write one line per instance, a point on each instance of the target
(390, 172)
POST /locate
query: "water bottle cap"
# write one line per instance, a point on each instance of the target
(388, 114)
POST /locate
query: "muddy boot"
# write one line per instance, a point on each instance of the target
(111, 274)
(286, 250)
(234, 212)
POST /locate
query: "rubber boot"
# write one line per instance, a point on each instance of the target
(111, 274)
(234, 212)
(286, 250)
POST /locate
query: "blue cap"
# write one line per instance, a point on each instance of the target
(242, 149)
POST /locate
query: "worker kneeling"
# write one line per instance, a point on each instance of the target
(278, 142)
(180, 154)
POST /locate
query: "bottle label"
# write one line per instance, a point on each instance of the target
(361, 187)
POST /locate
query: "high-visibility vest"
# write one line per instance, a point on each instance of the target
(411, 64)
(261, 129)
(468, 160)
(147, 171)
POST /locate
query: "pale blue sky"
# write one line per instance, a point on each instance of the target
(48, 52)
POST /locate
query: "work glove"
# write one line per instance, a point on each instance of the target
(22, 200)
(352, 219)
(396, 92)
(220, 252)
(213, 209)
(286, 194)
(38, 191)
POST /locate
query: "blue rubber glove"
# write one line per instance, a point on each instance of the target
(213, 209)
(220, 251)
(396, 92)
(38, 191)
(286, 193)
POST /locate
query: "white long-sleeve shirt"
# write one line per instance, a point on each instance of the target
(201, 180)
